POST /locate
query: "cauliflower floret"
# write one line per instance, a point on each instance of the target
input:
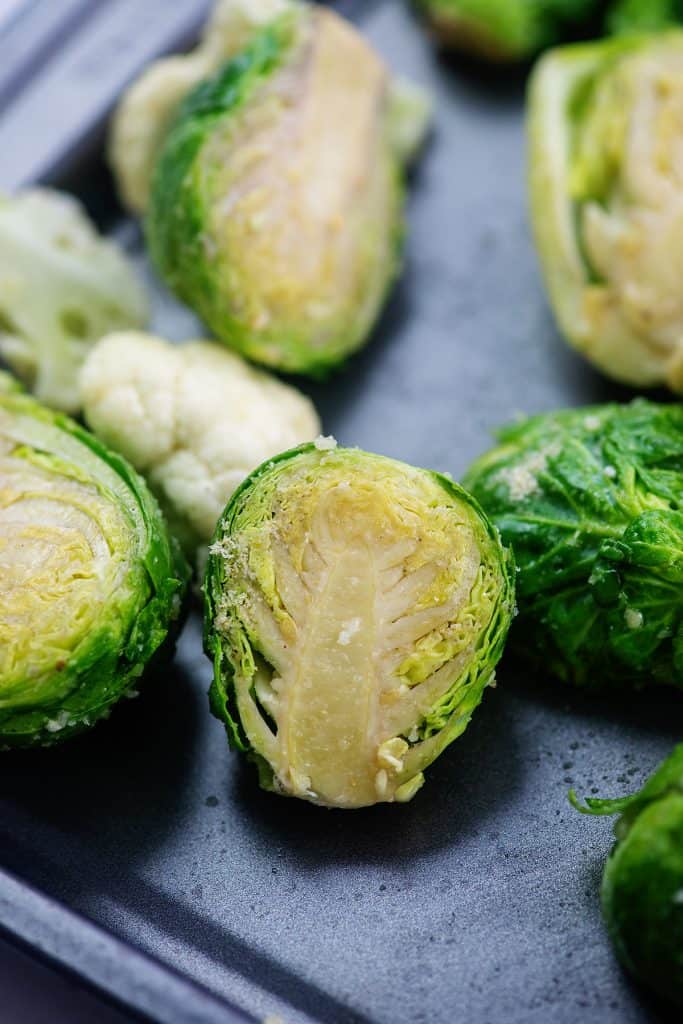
(62, 287)
(147, 108)
(195, 419)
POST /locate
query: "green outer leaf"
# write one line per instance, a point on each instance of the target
(176, 222)
(642, 886)
(597, 539)
(448, 719)
(561, 87)
(666, 779)
(101, 674)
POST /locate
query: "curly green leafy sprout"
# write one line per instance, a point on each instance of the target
(591, 500)
(642, 885)
(90, 584)
(607, 201)
(356, 608)
(62, 287)
(195, 419)
(276, 207)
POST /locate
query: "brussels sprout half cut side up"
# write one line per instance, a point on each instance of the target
(276, 207)
(605, 120)
(91, 586)
(356, 608)
(591, 500)
(642, 885)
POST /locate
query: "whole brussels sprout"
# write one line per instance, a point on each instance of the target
(643, 15)
(607, 201)
(355, 611)
(513, 30)
(276, 207)
(195, 419)
(90, 583)
(62, 287)
(642, 886)
(506, 30)
(591, 501)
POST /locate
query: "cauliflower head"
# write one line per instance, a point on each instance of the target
(62, 286)
(195, 419)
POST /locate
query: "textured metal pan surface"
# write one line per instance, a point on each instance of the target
(478, 902)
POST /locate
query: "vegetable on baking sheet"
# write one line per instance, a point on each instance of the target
(91, 585)
(356, 608)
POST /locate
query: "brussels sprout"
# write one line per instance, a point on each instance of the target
(513, 30)
(355, 611)
(591, 500)
(61, 288)
(607, 201)
(90, 584)
(277, 199)
(147, 109)
(195, 419)
(642, 886)
(643, 15)
(506, 30)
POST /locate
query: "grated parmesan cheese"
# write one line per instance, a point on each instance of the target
(348, 630)
(325, 444)
(633, 618)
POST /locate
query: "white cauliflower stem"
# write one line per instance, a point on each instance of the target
(195, 419)
(62, 287)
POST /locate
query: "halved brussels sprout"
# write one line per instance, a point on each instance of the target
(355, 611)
(90, 584)
(277, 199)
(506, 30)
(62, 287)
(148, 108)
(605, 121)
(642, 886)
(194, 418)
(591, 500)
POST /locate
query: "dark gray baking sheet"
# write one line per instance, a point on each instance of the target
(476, 903)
